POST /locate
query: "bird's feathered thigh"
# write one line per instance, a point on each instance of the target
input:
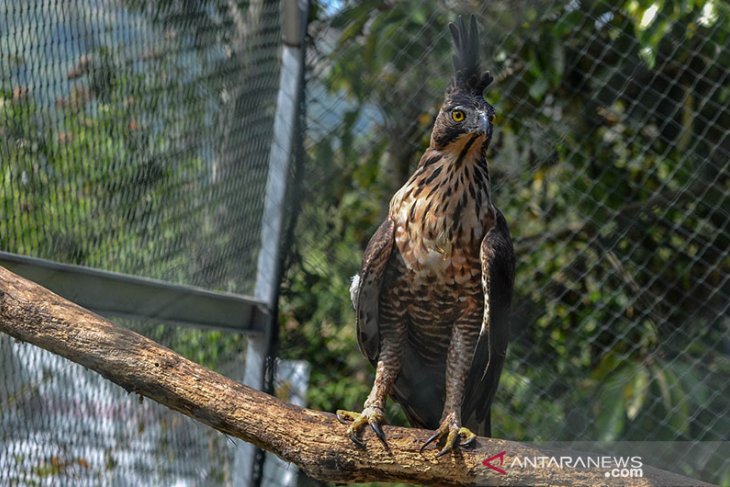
(432, 309)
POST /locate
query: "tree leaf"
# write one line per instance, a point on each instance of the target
(611, 407)
(638, 390)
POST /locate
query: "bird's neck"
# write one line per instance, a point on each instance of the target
(447, 176)
(468, 148)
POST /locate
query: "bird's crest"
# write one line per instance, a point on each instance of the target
(467, 74)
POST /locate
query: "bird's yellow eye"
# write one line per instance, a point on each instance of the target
(458, 116)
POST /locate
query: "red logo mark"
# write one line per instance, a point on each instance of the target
(488, 462)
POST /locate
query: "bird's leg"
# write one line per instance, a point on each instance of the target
(392, 336)
(374, 407)
(458, 363)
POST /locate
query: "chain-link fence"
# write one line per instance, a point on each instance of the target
(136, 137)
(64, 425)
(135, 143)
(610, 163)
(123, 128)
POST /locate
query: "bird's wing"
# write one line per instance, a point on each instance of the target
(366, 289)
(498, 271)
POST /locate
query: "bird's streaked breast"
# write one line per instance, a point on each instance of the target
(441, 215)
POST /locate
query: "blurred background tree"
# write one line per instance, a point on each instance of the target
(610, 162)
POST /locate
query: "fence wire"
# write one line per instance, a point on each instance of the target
(64, 425)
(135, 138)
(610, 163)
(123, 125)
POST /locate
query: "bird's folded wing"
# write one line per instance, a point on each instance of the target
(368, 282)
(498, 270)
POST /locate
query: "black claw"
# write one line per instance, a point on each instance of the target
(467, 443)
(430, 440)
(357, 441)
(449, 446)
(444, 451)
(341, 419)
(378, 431)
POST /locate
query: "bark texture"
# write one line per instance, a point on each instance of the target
(313, 440)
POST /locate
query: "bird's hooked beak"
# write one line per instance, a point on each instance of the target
(484, 126)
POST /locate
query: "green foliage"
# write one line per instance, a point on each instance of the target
(612, 240)
(608, 164)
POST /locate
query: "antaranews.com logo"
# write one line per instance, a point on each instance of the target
(614, 466)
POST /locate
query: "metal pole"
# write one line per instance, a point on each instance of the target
(293, 22)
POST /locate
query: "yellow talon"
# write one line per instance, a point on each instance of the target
(344, 415)
(452, 436)
(469, 436)
(370, 415)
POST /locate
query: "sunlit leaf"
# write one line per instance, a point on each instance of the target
(637, 391)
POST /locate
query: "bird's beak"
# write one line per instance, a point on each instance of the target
(484, 126)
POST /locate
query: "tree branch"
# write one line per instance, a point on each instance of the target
(313, 440)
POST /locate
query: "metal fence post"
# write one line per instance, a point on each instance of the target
(248, 470)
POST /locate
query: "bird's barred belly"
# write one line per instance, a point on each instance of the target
(430, 301)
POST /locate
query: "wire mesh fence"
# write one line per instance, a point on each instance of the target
(134, 138)
(64, 425)
(610, 163)
(123, 127)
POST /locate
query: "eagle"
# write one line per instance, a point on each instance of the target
(434, 291)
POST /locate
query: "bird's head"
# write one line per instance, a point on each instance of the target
(465, 116)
